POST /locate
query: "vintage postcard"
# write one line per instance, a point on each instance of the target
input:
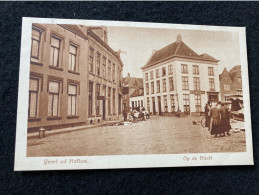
(106, 94)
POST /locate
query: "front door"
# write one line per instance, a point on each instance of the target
(154, 105)
(103, 109)
(159, 105)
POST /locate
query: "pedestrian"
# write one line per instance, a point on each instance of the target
(207, 109)
(225, 119)
(215, 120)
(125, 113)
(178, 113)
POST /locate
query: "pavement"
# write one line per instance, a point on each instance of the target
(70, 129)
(158, 135)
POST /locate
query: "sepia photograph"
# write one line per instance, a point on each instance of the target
(104, 94)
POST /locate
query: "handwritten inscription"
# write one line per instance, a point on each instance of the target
(196, 158)
(65, 161)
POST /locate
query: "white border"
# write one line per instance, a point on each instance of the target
(23, 163)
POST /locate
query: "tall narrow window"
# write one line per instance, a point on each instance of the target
(109, 70)
(72, 99)
(186, 103)
(210, 71)
(151, 75)
(55, 51)
(163, 71)
(185, 83)
(35, 44)
(142, 103)
(184, 68)
(113, 72)
(146, 76)
(158, 86)
(172, 103)
(226, 87)
(152, 87)
(109, 100)
(98, 64)
(91, 60)
(104, 67)
(197, 102)
(195, 69)
(33, 97)
(165, 103)
(171, 84)
(98, 86)
(90, 99)
(147, 88)
(72, 57)
(157, 73)
(170, 69)
(148, 104)
(164, 85)
(211, 84)
(53, 103)
(113, 101)
(196, 82)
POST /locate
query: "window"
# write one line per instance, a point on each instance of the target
(54, 51)
(146, 76)
(157, 73)
(33, 97)
(113, 101)
(196, 81)
(171, 83)
(186, 103)
(104, 67)
(165, 103)
(53, 103)
(226, 87)
(91, 60)
(185, 83)
(170, 69)
(97, 106)
(163, 71)
(98, 64)
(109, 100)
(109, 70)
(172, 103)
(104, 91)
(152, 87)
(151, 75)
(147, 88)
(195, 69)
(211, 84)
(197, 103)
(164, 85)
(239, 91)
(211, 71)
(72, 99)
(184, 68)
(113, 72)
(35, 44)
(142, 103)
(158, 86)
(90, 98)
(148, 104)
(72, 57)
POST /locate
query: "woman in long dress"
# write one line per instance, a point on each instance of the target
(225, 119)
(215, 128)
(207, 116)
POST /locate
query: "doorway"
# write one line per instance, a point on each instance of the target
(103, 109)
(154, 105)
(159, 105)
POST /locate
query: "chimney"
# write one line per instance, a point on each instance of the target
(179, 38)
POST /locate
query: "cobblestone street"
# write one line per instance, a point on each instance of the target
(159, 135)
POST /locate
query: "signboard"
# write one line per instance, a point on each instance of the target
(100, 97)
(197, 92)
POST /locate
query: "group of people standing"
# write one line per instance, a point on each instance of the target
(217, 119)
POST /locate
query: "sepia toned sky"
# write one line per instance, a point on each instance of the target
(139, 43)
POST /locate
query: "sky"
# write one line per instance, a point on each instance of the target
(139, 43)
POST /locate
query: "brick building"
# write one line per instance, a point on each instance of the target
(230, 82)
(177, 77)
(74, 77)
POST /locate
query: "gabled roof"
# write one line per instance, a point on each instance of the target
(235, 68)
(133, 82)
(176, 49)
(232, 73)
(74, 29)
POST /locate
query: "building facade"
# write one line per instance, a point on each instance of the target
(67, 83)
(231, 83)
(175, 77)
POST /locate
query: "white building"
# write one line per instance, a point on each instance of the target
(137, 102)
(177, 77)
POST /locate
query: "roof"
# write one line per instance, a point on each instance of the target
(176, 49)
(74, 29)
(235, 68)
(232, 73)
(133, 82)
(137, 93)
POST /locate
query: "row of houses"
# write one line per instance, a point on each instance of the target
(75, 76)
